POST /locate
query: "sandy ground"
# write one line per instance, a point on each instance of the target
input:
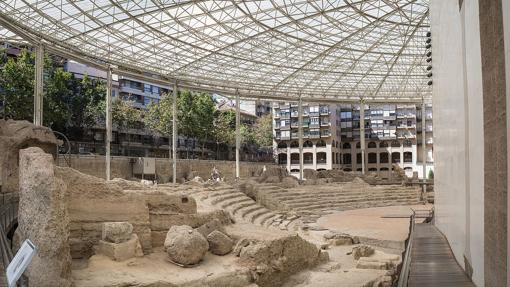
(152, 269)
(369, 222)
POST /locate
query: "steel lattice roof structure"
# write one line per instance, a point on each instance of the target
(338, 50)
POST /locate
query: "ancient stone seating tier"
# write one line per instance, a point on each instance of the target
(314, 201)
(241, 207)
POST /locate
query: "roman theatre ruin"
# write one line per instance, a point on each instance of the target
(334, 228)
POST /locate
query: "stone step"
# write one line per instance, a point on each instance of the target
(221, 192)
(229, 203)
(245, 212)
(368, 203)
(225, 197)
(283, 195)
(329, 197)
(236, 208)
(341, 207)
(254, 215)
(260, 220)
(269, 221)
(341, 198)
(304, 203)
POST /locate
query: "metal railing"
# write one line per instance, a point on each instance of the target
(404, 269)
(8, 216)
(406, 255)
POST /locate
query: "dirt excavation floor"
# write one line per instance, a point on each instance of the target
(378, 226)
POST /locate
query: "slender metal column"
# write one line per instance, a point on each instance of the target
(424, 149)
(362, 133)
(300, 136)
(174, 133)
(108, 121)
(39, 85)
(238, 133)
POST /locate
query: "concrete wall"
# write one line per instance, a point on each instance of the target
(471, 65)
(458, 131)
(122, 168)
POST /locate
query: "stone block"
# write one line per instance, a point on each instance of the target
(120, 251)
(207, 228)
(219, 243)
(116, 232)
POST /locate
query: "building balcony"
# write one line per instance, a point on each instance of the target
(327, 124)
(315, 136)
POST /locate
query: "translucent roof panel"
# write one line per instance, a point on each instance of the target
(319, 49)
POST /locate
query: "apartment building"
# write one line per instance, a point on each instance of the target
(331, 137)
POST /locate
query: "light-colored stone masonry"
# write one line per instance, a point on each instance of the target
(122, 168)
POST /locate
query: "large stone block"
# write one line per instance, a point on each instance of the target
(116, 232)
(219, 243)
(121, 251)
(16, 135)
(43, 218)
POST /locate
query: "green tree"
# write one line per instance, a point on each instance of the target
(58, 93)
(159, 116)
(203, 113)
(17, 84)
(263, 130)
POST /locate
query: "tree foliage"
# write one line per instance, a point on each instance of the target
(17, 86)
(159, 116)
(125, 115)
(68, 102)
(263, 130)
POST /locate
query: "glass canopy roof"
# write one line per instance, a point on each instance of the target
(278, 49)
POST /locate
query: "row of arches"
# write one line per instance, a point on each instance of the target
(346, 158)
(295, 144)
(321, 143)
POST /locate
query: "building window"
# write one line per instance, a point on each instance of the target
(307, 144)
(346, 146)
(372, 145)
(347, 158)
(383, 157)
(372, 157)
(307, 158)
(282, 145)
(395, 157)
(321, 143)
(408, 157)
(282, 158)
(321, 157)
(294, 158)
(358, 158)
(383, 144)
(294, 144)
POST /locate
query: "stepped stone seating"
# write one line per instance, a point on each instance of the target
(243, 208)
(313, 201)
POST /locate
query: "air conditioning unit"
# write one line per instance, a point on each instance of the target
(144, 166)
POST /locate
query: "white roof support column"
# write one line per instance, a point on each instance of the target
(300, 136)
(39, 85)
(108, 122)
(238, 132)
(174, 133)
(362, 134)
(424, 150)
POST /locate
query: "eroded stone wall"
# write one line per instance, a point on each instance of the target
(122, 168)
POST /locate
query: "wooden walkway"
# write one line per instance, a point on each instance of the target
(432, 260)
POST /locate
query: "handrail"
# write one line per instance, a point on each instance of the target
(8, 214)
(406, 256)
(68, 152)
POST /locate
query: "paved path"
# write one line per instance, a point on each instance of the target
(432, 260)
